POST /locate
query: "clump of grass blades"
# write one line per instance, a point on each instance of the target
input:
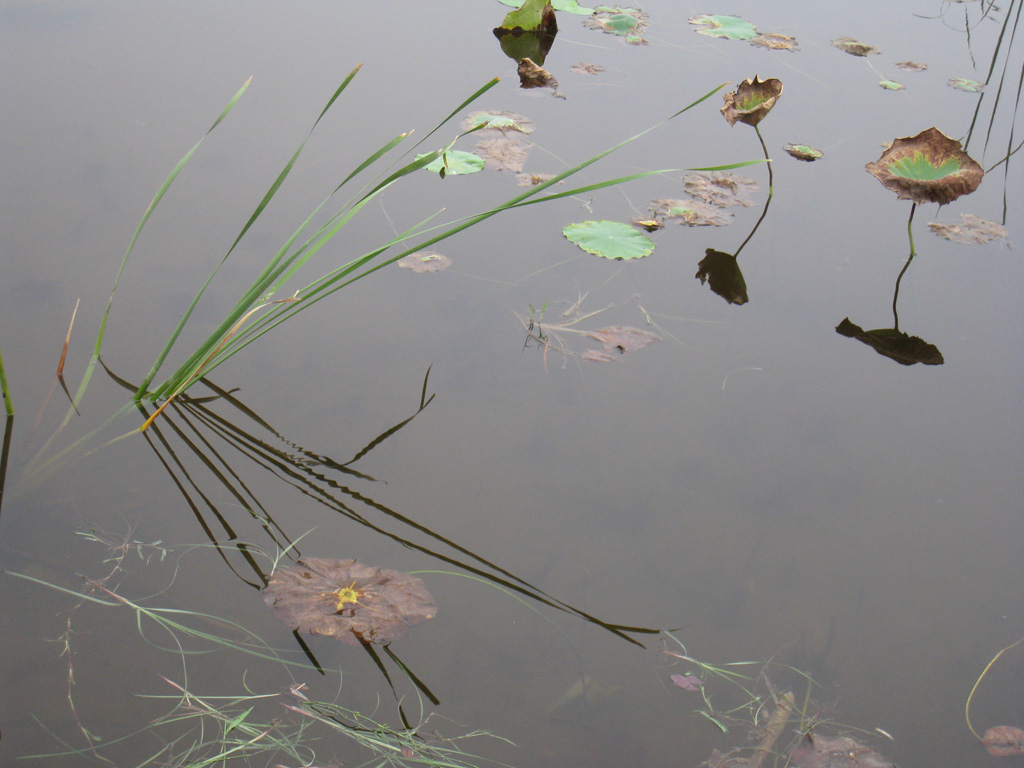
(232, 334)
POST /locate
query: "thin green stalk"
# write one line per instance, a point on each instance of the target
(4, 391)
(768, 160)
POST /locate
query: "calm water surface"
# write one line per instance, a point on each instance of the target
(763, 486)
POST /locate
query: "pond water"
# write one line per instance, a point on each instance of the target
(775, 494)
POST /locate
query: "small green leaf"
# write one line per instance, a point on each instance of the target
(455, 163)
(609, 239)
(965, 84)
(237, 721)
(891, 85)
(569, 6)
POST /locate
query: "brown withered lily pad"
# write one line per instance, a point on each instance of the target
(912, 66)
(752, 101)
(532, 179)
(503, 154)
(927, 168)
(971, 230)
(533, 76)
(356, 603)
(843, 752)
(720, 188)
(586, 69)
(617, 341)
(1004, 741)
(774, 41)
(425, 262)
(854, 47)
(692, 213)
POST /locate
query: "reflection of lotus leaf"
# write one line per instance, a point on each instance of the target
(345, 599)
(752, 101)
(722, 273)
(894, 344)
(927, 168)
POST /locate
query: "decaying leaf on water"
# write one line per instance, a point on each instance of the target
(356, 603)
(586, 69)
(971, 230)
(646, 223)
(504, 122)
(628, 23)
(816, 751)
(720, 188)
(722, 273)
(927, 168)
(731, 27)
(532, 179)
(533, 76)
(894, 344)
(617, 341)
(503, 154)
(688, 682)
(752, 101)
(775, 41)
(965, 84)
(912, 66)
(803, 152)
(1004, 741)
(692, 213)
(425, 262)
(854, 47)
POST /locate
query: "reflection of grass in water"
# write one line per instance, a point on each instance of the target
(206, 730)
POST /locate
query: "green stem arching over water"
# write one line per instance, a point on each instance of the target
(764, 147)
(896, 293)
(771, 192)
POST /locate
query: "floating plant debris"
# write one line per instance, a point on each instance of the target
(965, 84)
(505, 122)
(356, 603)
(616, 342)
(456, 163)
(720, 188)
(752, 101)
(775, 41)
(927, 168)
(532, 179)
(586, 69)
(650, 225)
(425, 262)
(503, 154)
(891, 85)
(803, 152)
(731, 27)
(1004, 741)
(628, 23)
(609, 239)
(971, 230)
(569, 6)
(692, 213)
(854, 47)
(911, 66)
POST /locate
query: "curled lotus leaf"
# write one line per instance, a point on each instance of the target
(1004, 741)
(927, 168)
(356, 603)
(752, 101)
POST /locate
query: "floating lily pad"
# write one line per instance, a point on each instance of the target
(927, 168)
(628, 23)
(720, 188)
(609, 239)
(693, 213)
(722, 273)
(891, 85)
(855, 47)
(569, 6)
(775, 41)
(503, 154)
(455, 163)
(617, 341)
(532, 15)
(356, 603)
(425, 262)
(896, 345)
(965, 84)
(505, 122)
(911, 66)
(752, 101)
(803, 152)
(971, 230)
(1004, 741)
(730, 27)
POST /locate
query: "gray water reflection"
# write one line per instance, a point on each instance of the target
(755, 479)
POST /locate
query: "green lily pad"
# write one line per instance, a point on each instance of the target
(533, 15)
(731, 27)
(803, 152)
(891, 85)
(455, 163)
(965, 84)
(609, 239)
(569, 6)
(625, 22)
(927, 168)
